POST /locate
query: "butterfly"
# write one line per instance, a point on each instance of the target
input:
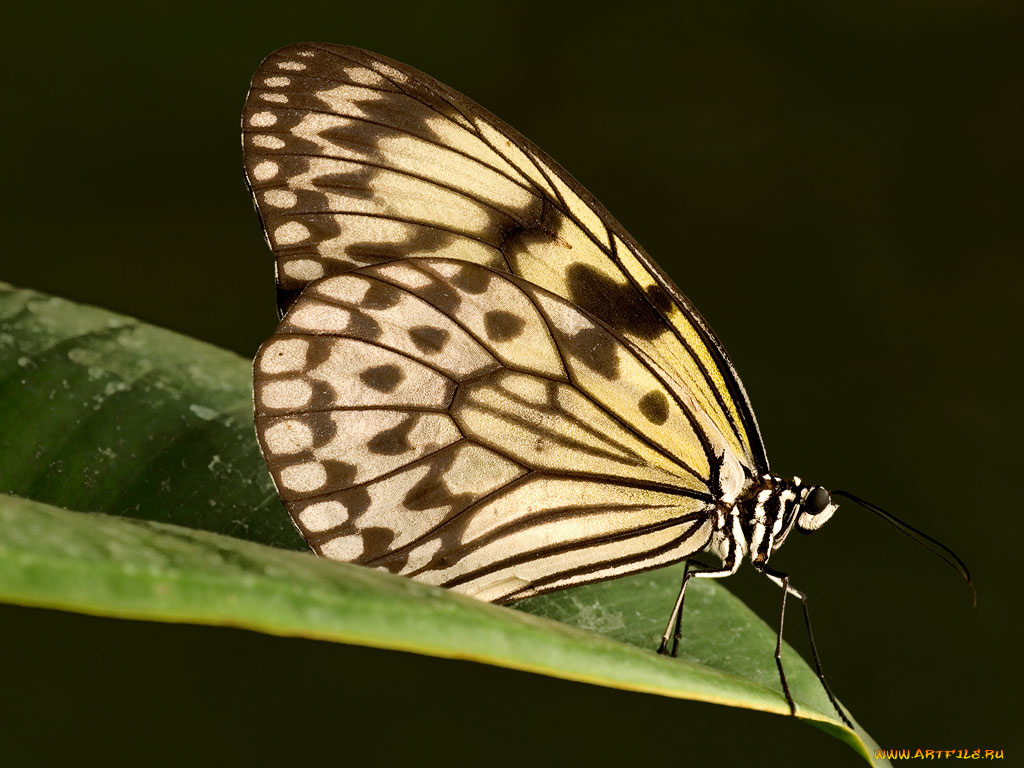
(480, 380)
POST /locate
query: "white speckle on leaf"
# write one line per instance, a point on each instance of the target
(204, 413)
(129, 340)
(214, 462)
(83, 356)
(596, 617)
(25, 362)
(109, 453)
(114, 386)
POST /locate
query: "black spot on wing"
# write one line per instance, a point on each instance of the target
(659, 297)
(380, 296)
(654, 407)
(432, 491)
(441, 295)
(323, 427)
(503, 326)
(319, 352)
(472, 279)
(394, 441)
(356, 501)
(596, 350)
(340, 474)
(383, 378)
(620, 305)
(428, 339)
(376, 541)
(361, 326)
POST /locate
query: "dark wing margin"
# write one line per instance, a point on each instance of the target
(355, 159)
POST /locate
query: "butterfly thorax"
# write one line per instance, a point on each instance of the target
(761, 519)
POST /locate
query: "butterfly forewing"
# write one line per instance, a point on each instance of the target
(354, 159)
(452, 423)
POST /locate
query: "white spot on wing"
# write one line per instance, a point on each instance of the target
(321, 318)
(389, 72)
(267, 142)
(343, 548)
(304, 478)
(284, 355)
(303, 269)
(263, 119)
(287, 437)
(265, 170)
(365, 76)
(348, 288)
(323, 515)
(291, 393)
(280, 198)
(291, 233)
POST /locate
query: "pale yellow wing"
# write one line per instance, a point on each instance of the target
(460, 426)
(354, 159)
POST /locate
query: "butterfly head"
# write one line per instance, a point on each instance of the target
(815, 509)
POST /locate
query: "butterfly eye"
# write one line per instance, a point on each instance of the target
(817, 500)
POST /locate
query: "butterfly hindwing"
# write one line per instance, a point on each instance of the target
(452, 423)
(354, 159)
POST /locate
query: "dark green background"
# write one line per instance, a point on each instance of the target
(835, 185)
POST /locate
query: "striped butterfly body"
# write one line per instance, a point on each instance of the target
(480, 380)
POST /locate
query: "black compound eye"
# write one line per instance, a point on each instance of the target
(817, 500)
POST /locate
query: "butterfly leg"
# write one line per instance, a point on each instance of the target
(782, 580)
(817, 662)
(677, 611)
(675, 619)
(674, 629)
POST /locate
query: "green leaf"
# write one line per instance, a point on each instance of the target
(106, 415)
(103, 413)
(136, 569)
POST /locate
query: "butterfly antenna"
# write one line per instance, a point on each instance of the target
(922, 538)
